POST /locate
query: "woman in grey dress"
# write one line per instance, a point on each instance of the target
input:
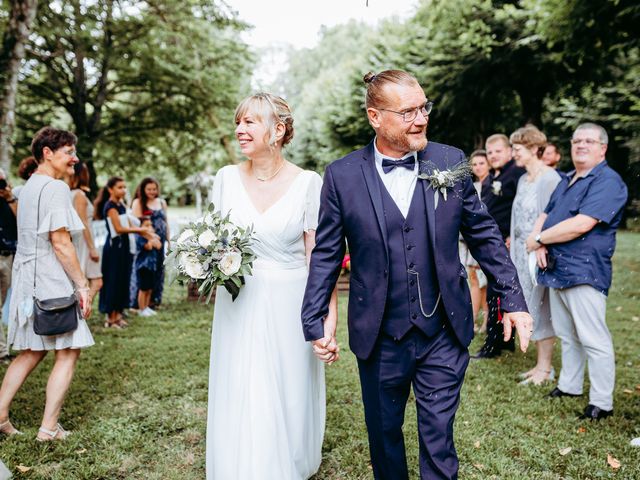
(58, 274)
(533, 193)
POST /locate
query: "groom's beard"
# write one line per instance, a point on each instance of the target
(404, 141)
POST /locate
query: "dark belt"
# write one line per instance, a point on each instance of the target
(6, 253)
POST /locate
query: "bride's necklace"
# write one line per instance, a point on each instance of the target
(264, 179)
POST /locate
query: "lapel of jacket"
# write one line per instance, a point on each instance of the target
(429, 201)
(373, 185)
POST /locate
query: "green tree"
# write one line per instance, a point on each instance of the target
(12, 51)
(489, 65)
(141, 83)
(329, 116)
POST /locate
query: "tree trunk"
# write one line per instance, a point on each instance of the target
(224, 140)
(23, 12)
(87, 126)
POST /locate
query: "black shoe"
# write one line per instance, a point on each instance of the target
(595, 413)
(557, 393)
(511, 346)
(486, 353)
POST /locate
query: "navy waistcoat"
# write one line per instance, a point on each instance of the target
(411, 263)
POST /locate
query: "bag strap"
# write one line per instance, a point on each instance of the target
(35, 267)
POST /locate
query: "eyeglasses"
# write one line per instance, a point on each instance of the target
(71, 152)
(587, 141)
(410, 115)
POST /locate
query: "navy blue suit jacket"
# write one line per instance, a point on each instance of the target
(351, 209)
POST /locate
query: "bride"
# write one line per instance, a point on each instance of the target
(266, 388)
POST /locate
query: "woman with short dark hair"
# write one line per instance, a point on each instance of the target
(46, 261)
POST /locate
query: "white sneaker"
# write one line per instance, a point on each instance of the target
(150, 312)
(144, 313)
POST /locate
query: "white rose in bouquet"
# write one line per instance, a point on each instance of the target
(206, 238)
(230, 263)
(185, 235)
(192, 266)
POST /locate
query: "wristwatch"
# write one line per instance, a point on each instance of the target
(537, 239)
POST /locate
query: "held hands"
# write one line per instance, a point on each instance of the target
(326, 348)
(523, 323)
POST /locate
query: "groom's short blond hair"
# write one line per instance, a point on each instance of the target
(377, 82)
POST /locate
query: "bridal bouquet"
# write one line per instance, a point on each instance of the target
(212, 251)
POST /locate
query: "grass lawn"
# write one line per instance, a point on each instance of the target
(138, 406)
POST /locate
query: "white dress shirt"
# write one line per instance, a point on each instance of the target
(399, 182)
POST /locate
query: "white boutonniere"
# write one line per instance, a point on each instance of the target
(442, 180)
(496, 187)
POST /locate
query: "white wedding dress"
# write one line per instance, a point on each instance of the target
(266, 411)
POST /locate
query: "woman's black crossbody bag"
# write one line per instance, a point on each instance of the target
(53, 316)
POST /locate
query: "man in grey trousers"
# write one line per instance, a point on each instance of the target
(574, 240)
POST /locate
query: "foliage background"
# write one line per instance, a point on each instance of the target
(150, 86)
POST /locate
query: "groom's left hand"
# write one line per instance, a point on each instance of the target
(523, 323)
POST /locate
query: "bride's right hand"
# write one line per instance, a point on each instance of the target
(326, 349)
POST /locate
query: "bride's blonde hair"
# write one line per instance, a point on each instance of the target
(270, 110)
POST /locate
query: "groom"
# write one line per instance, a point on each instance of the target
(410, 318)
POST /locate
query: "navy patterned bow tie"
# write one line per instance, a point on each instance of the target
(408, 163)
